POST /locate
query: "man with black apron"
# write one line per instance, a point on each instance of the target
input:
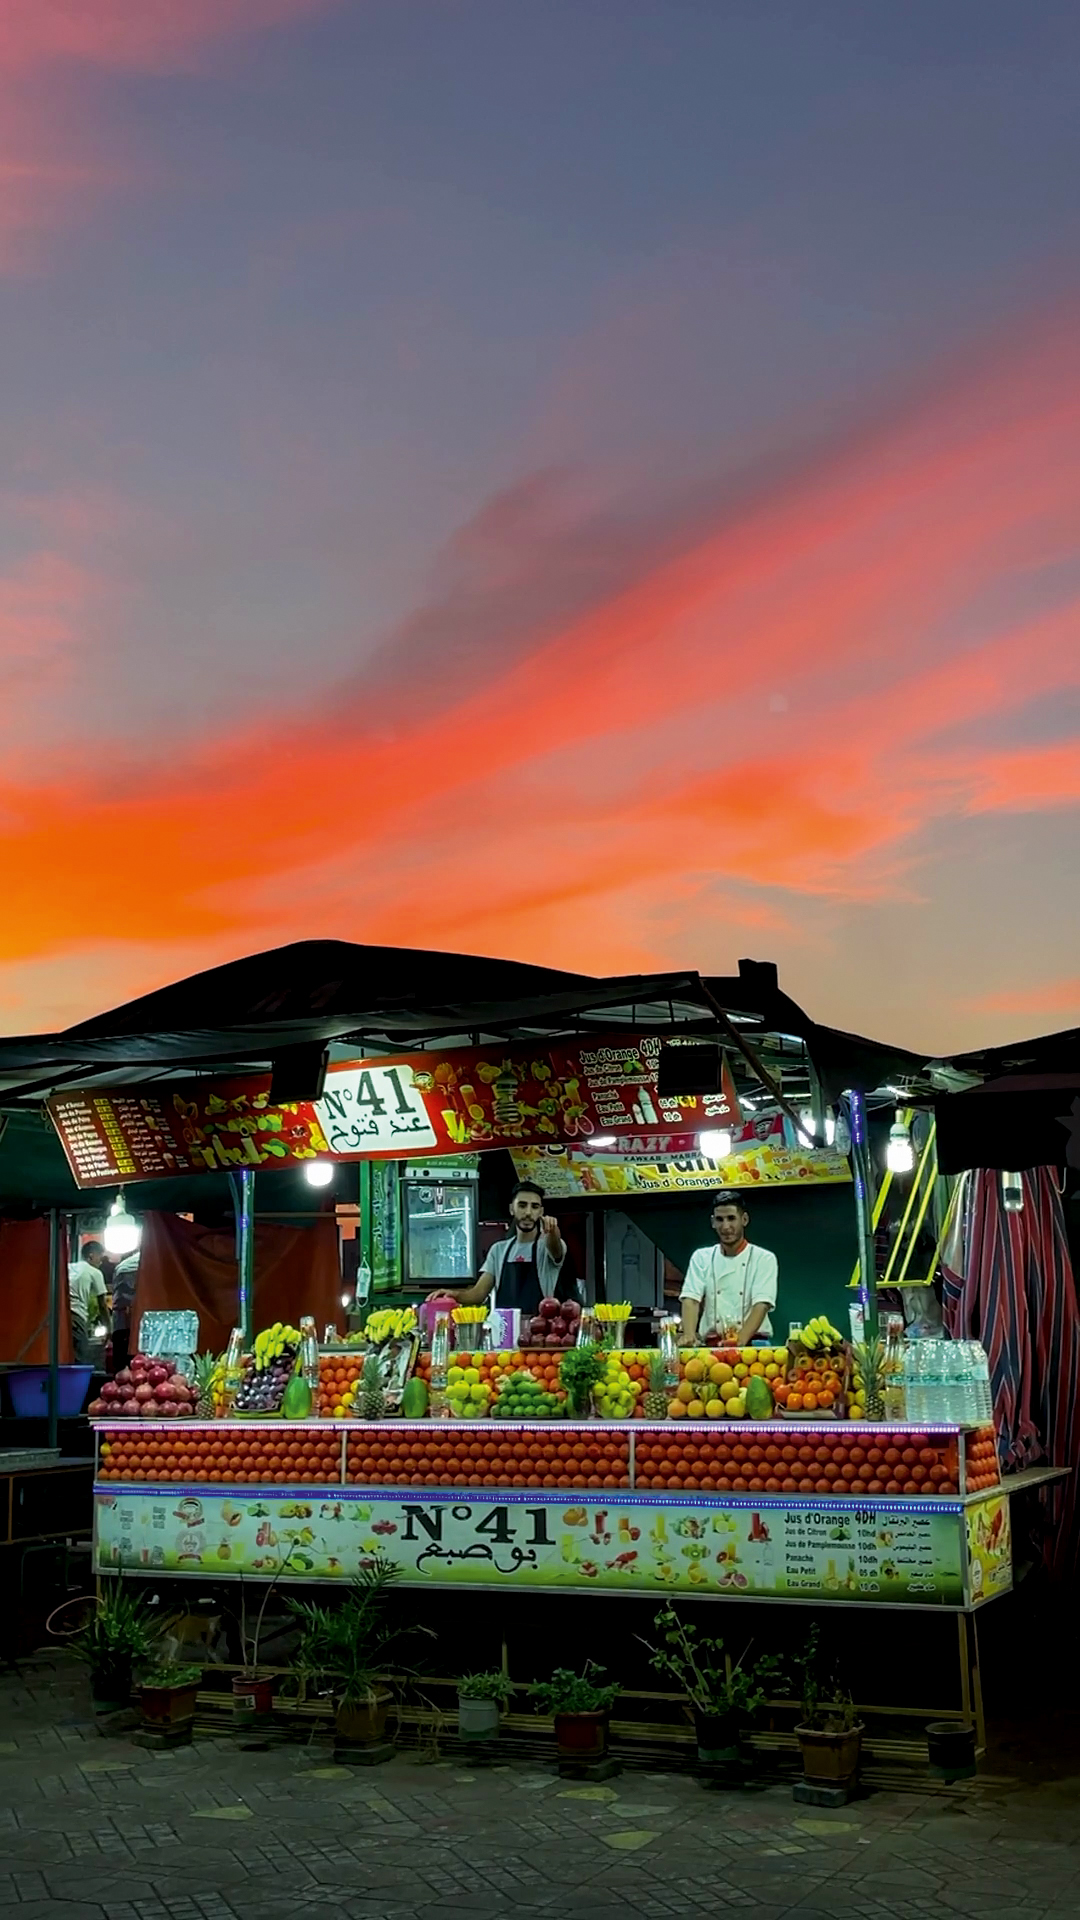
(524, 1269)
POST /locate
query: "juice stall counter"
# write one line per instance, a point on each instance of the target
(821, 1511)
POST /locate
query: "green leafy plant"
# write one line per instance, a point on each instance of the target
(697, 1663)
(346, 1646)
(117, 1634)
(826, 1703)
(172, 1676)
(486, 1686)
(580, 1370)
(570, 1692)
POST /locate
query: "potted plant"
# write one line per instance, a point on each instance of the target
(345, 1647)
(723, 1698)
(117, 1634)
(482, 1697)
(253, 1688)
(168, 1694)
(580, 1708)
(829, 1733)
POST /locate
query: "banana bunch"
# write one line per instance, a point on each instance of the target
(389, 1323)
(272, 1342)
(820, 1335)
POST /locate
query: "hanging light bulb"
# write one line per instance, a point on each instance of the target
(715, 1145)
(1012, 1192)
(899, 1154)
(318, 1173)
(122, 1231)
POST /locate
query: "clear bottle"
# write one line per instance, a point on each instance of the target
(309, 1354)
(893, 1392)
(440, 1362)
(234, 1369)
(669, 1347)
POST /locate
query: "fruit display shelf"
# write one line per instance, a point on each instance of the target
(818, 1459)
(585, 1505)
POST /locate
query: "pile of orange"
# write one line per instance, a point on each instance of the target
(845, 1461)
(229, 1454)
(339, 1374)
(413, 1455)
(980, 1461)
(809, 1388)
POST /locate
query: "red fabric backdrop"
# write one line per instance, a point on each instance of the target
(24, 1295)
(297, 1270)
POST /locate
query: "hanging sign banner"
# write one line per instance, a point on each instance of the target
(760, 1156)
(388, 1108)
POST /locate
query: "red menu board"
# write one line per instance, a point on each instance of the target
(388, 1108)
(135, 1133)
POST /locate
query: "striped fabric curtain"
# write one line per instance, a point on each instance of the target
(1008, 1281)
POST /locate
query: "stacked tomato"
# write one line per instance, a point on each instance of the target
(231, 1454)
(418, 1454)
(837, 1460)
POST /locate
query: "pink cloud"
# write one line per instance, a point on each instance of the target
(54, 154)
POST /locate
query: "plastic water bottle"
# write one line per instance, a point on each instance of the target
(914, 1396)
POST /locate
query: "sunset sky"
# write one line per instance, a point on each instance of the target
(589, 481)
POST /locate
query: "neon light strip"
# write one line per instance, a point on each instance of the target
(594, 1427)
(532, 1496)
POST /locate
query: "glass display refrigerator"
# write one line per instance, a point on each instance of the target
(439, 1215)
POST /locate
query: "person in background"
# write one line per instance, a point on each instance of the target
(731, 1285)
(86, 1296)
(521, 1270)
(123, 1300)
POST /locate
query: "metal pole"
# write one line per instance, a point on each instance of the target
(56, 1297)
(243, 1187)
(863, 1176)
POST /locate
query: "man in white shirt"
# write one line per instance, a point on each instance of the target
(729, 1288)
(86, 1296)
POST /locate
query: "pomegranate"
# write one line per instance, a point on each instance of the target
(110, 1391)
(168, 1409)
(549, 1309)
(97, 1408)
(123, 1378)
(149, 1409)
(131, 1406)
(144, 1392)
(157, 1374)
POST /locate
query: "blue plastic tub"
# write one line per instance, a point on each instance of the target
(29, 1387)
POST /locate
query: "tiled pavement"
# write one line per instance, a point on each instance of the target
(95, 1828)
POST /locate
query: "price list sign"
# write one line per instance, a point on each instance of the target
(112, 1137)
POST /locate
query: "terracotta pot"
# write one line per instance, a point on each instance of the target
(829, 1757)
(253, 1697)
(581, 1736)
(169, 1706)
(363, 1723)
(477, 1719)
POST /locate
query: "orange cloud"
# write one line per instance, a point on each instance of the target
(776, 715)
(1050, 997)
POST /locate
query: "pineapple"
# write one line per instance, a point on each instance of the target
(655, 1402)
(372, 1397)
(208, 1373)
(870, 1375)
